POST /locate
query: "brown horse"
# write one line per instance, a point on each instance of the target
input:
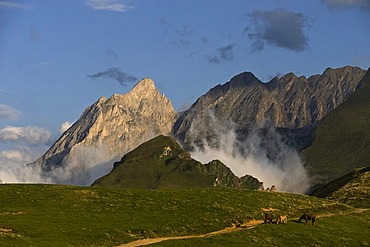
(268, 218)
(282, 219)
(308, 217)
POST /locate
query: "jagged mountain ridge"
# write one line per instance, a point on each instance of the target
(161, 163)
(342, 139)
(111, 127)
(288, 102)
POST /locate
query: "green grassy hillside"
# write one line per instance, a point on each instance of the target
(53, 215)
(342, 139)
(161, 163)
(339, 230)
(352, 189)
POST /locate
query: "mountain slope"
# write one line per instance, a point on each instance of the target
(288, 102)
(162, 164)
(342, 139)
(105, 131)
(352, 188)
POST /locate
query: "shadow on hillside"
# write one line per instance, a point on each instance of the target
(296, 221)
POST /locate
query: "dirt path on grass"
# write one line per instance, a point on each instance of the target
(233, 228)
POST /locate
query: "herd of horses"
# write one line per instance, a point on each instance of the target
(283, 219)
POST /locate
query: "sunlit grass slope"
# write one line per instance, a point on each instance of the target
(52, 215)
(352, 188)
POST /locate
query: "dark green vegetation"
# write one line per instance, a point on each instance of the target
(52, 215)
(342, 138)
(352, 189)
(162, 164)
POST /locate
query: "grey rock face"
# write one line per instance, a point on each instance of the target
(288, 102)
(108, 129)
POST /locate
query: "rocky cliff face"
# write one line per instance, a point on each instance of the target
(288, 102)
(106, 130)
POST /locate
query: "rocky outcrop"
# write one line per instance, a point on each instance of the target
(108, 129)
(289, 102)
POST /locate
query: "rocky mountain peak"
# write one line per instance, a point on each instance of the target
(285, 102)
(243, 79)
(144, 85)
(109, 128)
(144, 89)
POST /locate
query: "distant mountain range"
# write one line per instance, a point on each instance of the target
(289, 102)
(112, 128)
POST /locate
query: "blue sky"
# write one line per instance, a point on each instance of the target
(58, 57)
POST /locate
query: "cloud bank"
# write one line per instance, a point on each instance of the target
(8, 113)
(108, 5)
(264, 156)
(13, 167)
(27, 135)
(115, 74)
(83, 166)
(280, 28)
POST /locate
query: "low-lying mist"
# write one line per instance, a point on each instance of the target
(261, 154)
(82, 167)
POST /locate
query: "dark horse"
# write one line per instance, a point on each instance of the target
(268, 218)
(308, 217)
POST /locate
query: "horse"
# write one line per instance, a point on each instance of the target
(282, 219)
(268, 218)
(308, 217)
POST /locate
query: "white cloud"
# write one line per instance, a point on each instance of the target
(8, 113)
(269, 160)
(64, 126)
(27, 134)
(110, 5)
(7, 4)
(14, 155)
(14, 168)
(84, 166)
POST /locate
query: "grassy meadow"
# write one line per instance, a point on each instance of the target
(57, 215)
(338, 230)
